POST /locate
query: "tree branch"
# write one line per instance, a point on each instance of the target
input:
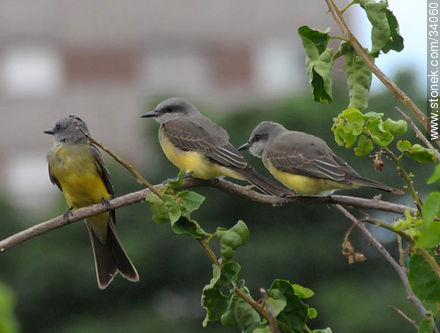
(419, 134)
(395, 90)
(399, 269)
(224, 185)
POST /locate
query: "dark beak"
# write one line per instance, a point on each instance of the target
(50, 131)
(150, 114)
(245, 146)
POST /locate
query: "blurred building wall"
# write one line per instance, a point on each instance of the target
(104, 60)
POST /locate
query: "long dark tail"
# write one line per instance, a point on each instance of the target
(265, 185)
(372, 183)
(110, 258)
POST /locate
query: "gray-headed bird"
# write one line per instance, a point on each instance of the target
(303, 162)
(76, 167)
(198, 146)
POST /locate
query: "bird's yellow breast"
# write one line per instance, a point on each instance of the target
(303, 184)
(75, 168)
(195, 162)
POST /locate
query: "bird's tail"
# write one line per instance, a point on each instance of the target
(359, 180)
(265, 185)
(110, 258)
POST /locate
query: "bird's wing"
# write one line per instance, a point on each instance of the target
(54, 180)
(202, 135)
(306, 155)
(102, 170)
(105, 176)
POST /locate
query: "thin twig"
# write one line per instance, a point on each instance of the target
(251, 302)
(419, 134)
(348, 6)
(406, 177)
(401, 251)
(400, 270)
(411, 321)
(269, 311)
(395, 90)
(223, 185)
(205, 245)
(430, 260)
(387, 226)
(120, 160)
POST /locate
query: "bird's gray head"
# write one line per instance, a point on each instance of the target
(262, 136)
(172, 108)
(65, 131)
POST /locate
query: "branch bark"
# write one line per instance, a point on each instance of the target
(224, 185)
(399, 269)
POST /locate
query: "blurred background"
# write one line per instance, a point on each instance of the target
(240, 62)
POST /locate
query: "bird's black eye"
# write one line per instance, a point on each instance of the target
(257, 137)
(57, 127)
(168, 109)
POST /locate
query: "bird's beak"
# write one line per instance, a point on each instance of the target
(50, 131)
(150, 114)
(245, 146)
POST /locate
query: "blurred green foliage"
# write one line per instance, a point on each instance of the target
(54, 280)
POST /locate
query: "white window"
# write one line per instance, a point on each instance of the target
(175, 70)
(30, 71)
(26, 176)
(276, 67)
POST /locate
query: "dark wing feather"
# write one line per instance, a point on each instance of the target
(306, 155)
(206, 137)
(54, 180)
(105, 176)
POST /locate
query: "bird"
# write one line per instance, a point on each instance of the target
(304, 162)
(200, 147)
(77, 169)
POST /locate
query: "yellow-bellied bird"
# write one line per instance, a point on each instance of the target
(198, 146)
(303, 162)
(76, 167)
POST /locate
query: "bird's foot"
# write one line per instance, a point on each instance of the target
(105, 202)
(68, 213)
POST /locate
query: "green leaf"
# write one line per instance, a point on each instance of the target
(262, 329)
(396, 41)
(430, 233)
(188, 226)
(232, 239)
(426, 326)
(385, 31)
(347, 126)
(435, 176)
(416, 151)
(172, 184)
(189, 201)
(312, 313)
(8, 322)
(163, 211)
(423, 280)
(325, 330)
(395, 127)
(358, 77)
(431, 208)
(239, 313)
(215, 294)
(319, 62)
(302, 292)
(410, 225)
(212, 300)
(364, 146)
(375, 129)
(294, 315)
(277, 301)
